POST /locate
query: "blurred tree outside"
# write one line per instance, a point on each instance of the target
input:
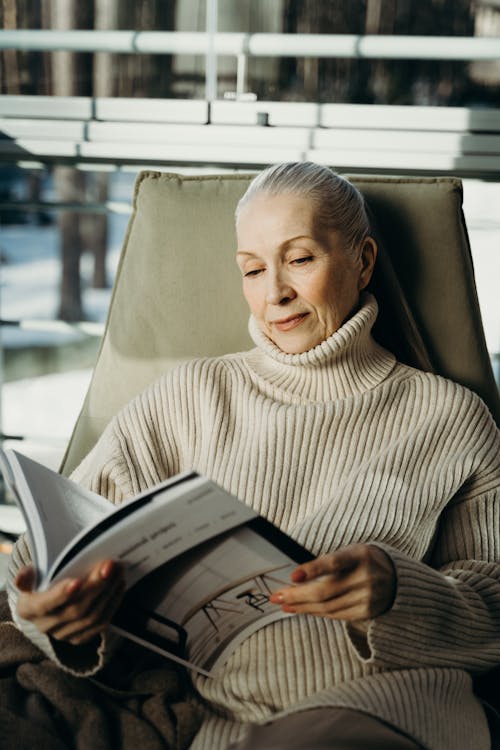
(69, 79)
(405, 82)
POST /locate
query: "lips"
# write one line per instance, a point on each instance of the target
(287, 324)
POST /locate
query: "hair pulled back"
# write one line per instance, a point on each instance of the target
(338, 204)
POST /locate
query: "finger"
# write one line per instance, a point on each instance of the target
(335, 563)
(100, 576)
(88, 613)
(84, 606)
(25, 578)
(66, 600)
(321, 593)
(31, 606)
(317, 591)
(353, 601)
(320, 589)
(323, 565)
(104, 570)
(106, 618)
(106, 609)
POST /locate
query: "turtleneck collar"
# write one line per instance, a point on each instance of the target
(347, 363)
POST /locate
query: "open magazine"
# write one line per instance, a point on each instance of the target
(199, 565)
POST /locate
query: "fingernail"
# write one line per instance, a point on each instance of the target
(276, 598)
(298, 576)
(106, 569)
(287, 608)
(73, 586)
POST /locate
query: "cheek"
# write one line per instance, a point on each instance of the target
(253, 298)
(333, 292)
(323, 289)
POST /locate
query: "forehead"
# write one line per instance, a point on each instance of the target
(277, 217)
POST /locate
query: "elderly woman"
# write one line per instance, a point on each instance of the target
(389, 475)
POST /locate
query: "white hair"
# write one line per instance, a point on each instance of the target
(338, 204)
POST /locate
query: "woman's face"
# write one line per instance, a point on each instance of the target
(298, 280)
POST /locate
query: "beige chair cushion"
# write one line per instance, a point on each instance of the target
(178, 293)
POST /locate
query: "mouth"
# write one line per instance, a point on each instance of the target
(286, 324)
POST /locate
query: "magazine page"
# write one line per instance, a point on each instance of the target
(155, 528)
(199, 607)
(55, 508)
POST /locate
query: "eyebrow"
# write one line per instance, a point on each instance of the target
(283, 246)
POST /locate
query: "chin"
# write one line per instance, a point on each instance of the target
(296, 347)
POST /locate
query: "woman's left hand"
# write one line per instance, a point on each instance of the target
(357, 582)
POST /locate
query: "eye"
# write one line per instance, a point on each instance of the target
(254, 272)
(303, 260)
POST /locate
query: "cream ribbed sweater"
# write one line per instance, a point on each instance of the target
(337, 445)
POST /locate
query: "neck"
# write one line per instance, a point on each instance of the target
(347, 363)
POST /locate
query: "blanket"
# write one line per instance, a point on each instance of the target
(140, 702)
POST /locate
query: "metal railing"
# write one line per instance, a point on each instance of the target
(243, 45)
(396, 47)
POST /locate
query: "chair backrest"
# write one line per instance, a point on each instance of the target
(178, 294)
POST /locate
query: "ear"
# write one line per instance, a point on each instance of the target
(367, 262)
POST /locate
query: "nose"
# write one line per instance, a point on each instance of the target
(279, 291)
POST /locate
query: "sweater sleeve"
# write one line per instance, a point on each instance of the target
(105, 471)
(447, 610)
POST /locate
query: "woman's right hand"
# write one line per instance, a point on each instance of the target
(73, 609)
